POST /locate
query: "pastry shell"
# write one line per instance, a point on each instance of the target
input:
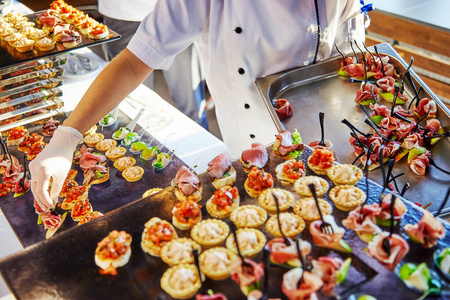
(105, 145)
(260, 211)
(171, 261)
(301, 186)
(356, 174)
(306, 208)
(119, 262)
(210, 242)
(146, 244)
(344, 203)
(213, 272)
(115, 153)
(133, 173)
(282, 178)
(124, 162)
(216, 212)
(185, 293)
(266, 200)
(256, 248)
(272, 225)
(151, 192)
(92, 139)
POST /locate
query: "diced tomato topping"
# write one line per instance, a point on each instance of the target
(322, 158)
(114, 245)
(294, 169)
(17, 133)
(160, 233)
(36, 148)
(75, 192)
(187, 212)
(82, 208)
(225, 196)
(99, 29)
(259, 180)
(30, 140)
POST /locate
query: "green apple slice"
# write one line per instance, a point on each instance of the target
(341, 274)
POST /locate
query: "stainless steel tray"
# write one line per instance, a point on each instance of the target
(38, 64)
(38, 75)
(32, 98)
(318, 88)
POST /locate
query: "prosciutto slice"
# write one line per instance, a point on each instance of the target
(390, 149)
(186, 181)
(412, 141)
(420, 163)
(51, 220)
(427, 231)
(37, 208)
(256, 156)
(281, 253)
(387, 84)
(286, 144)
(399, 248)
(311, 284)
(390, 123)
(433, 125)
(399, 208)
(322, 239)
(325, 268)
(246, 279)
(380, 110)
(368, 224)
(424, 106)
(404, 129)
(365, 92)
(282, 108)
(402, 112)
(219, 166)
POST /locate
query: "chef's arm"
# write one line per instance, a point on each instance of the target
(120, 77)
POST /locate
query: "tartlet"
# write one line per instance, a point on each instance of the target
(257, 181)
(320, 161)
(124, 162)
(347, 197)
(215, 262)
(181, 281)
(345, 174)
(92, 139)
(306, 208)
(290, 171)
(91, 130)
(291, 225)
(45, 44)
(151, 192)
(210, 233)
(105, 144)
(115, 153)
(186, 214)
(24, 45)
(12, 38)
(301, 186)
(179, 251)
(251, 242)
(6, 31)
(133, 173)
(248, 216)
(267, 201)
(156, 234)
(38, 34)
(223, 202)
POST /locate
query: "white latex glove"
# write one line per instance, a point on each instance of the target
(53, 162)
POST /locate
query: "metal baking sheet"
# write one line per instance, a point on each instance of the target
(35, 65)
(64, 268)
(318, 88)
(104, 197)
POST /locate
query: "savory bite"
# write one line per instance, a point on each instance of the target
(308, 288)
(306, 208)
(221, 171)
(80, 210)
(67, 186)
(290, 171)
(210, 233)
(91, 216)
(320, 161)
(267, 200)
(105, 144)
(115, 153)
(291, 224)
(301, 186)
(399, 248)
(333, 241)
(98, 31)
(181, 281)
(257, 181)
(24, 45)
(384, 218)
(133, 173)
(49, 127)
(151, 192)
(35, 149)
(75, 194)
(248, 216)
(251, 241)
(16, 135)
(281, 253)
(215, 262)
(29, 140)
(70, 39)
(223, 202)
(248, 280)
(124, 162)
(186, 214)
(92, 139)
(288, 145)
(427, 231)
(156, 234)
(345, 174)
(96, 174)
(113, 252)
(366, 226)
(256, 156)
(179, 251)
(347, 197)
(188, 185)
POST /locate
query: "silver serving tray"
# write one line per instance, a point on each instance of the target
(318, 88)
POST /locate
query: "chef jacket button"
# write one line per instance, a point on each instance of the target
(306, 62)
(238, 30)
(252, 136)
(241, 71)
(309, 28)
(246, 106)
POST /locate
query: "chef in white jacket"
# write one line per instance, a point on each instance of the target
(239, 42)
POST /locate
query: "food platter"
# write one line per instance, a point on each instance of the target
(318, 88)
(63, 267)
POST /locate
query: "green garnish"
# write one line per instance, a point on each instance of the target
(98, 174)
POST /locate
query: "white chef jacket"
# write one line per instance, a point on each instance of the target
(241, 40)
(130, 10)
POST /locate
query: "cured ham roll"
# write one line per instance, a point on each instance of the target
(368, 227)
(280, 253)
(188, 185)
(427, 231)
(384, 218)
(332, 241)
(308, 288)
(320, 161)
(248, 281)
(221, 171)
(399, 248)
(113, 251)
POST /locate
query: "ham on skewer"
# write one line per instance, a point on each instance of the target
(365, 93)
(427, 231)
(334, 240)
(385, 214)
(280, 253)
(399, 248)
(368, 226)
(246, 280)
(419, 164)
(256, 156)
(307, 291)
(325, 268)
(425, 106)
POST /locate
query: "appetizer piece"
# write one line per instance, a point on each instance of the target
(418, 277)
(347, 197)
(52, 222)
(35, 149)
(105, 144)
(367, 94)
(248, 216)
(92, 139)
(23, 45)
(91, 216)
(80, 210)
(129, 139)
(288, 145)
(188, 185)
(96, 174)
(223, 202)
(137, 147)
(151, 192)
(181, 281)
(162, 160)
(38, 34)
(281, 254)
(301, 186)
(442, 260)
(366, 228)
(399, 248)
(98, 32)
(332, 271)
(70, 39)
(385, 218)
(16, 135)
(76, 194)
(186, 214)
(113, 252)
(156, 234)
(345, 174)
(6, 31)
(257, 181)
(29, 140)
(267, 201)
(12, 38)
(290, 171)
(45, 44)
(121, 133)
(133, 173)
(291, 225)
(320, 161)
(91, 130)
(425, 106)
(427, 231)
(5, 163)
(333, 241)
(215, 262)
(256, 156)
(221, 171)
(251, 242)
(307, 290)
(124, 162)
(115, 153)
(283, 108)
(150, 152)
(49, 127)
(210, 233)
(67, 186)
(248, 281)
(179, 251)
(306, 208)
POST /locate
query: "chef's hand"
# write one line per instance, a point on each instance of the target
(53, 162)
